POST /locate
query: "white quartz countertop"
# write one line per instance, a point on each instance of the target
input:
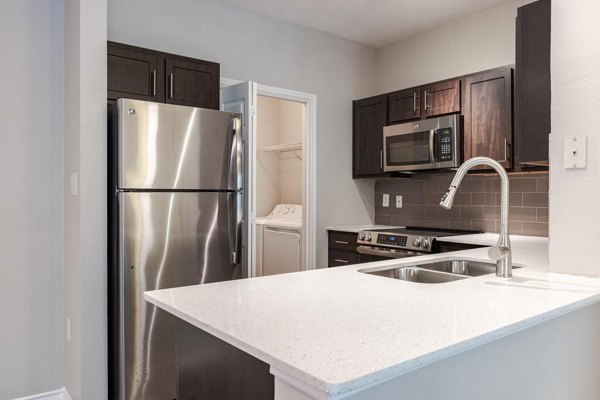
(357, 228)
(339, 330)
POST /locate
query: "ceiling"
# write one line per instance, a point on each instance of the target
(370, 22)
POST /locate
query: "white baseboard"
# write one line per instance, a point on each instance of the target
(59, 394)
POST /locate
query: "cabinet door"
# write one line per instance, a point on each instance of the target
(134, 73)
(370, 116)
(441, 98)
(192, 83)
(488, 115)
(404, 105)
(532, 100)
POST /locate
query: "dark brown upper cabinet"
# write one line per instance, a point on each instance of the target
(370, 116)
(144, 74)
(404, 105)
(532, 86)
(488, 117)
(192, 83)
(441, 98)
(134, 73)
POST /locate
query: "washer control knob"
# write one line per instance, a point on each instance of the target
(425, 243)
(417, 242)
(369, 237)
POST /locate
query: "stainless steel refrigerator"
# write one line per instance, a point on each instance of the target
(177, 216)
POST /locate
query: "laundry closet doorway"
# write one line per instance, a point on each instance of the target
(280, 130)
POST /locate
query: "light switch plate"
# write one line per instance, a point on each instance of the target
(399, 201)
(386, 200)
(575, 153)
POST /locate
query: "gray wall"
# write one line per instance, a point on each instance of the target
(476, 205)
(31, 202)
(475, 43)
(85, 214)
(250, 46)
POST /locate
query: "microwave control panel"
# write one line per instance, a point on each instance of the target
(445, 145)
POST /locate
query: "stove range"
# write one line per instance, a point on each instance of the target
(403, 242)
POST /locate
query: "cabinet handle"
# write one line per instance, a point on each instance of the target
(381, 158)
(505, 151)
(340, 260)
(426, 106)
(415, 107)
(154, 83)
(341, 242)
(171, 85)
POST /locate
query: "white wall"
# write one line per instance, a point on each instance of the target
(250, 46)
(31, 202)
(574, 207)
(475, 43)
(85, 271)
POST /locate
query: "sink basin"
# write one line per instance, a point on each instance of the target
(442, 271)
(413, 274)
(461, 267)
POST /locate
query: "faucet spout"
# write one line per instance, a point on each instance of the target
(502, 252)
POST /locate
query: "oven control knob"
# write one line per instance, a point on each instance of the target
(362, 236)
(417, 242)
(425, 243)
(369, 237)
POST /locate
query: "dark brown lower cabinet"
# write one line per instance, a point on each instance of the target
(211, 369)
(488, 116)
(342, 250)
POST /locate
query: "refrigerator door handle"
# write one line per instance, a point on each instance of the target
(236, 162)
(235, 226)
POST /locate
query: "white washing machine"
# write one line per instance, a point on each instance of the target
(279, 240)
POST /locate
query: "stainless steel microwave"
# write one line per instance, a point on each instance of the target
(422, 145)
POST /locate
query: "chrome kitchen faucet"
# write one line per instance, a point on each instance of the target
(501, 253)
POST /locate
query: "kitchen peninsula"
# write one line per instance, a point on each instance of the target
(338, 333)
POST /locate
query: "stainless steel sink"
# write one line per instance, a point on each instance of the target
(461, 267)
(437, 271)
(413, 274)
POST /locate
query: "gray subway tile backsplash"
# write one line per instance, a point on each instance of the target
(476, 205)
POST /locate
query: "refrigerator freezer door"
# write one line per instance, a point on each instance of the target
(165, 146)
(166, 240)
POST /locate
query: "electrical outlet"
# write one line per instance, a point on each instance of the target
(386, 200)
(398, 201)
(68, 330)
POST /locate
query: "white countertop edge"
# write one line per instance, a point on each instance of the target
(380, 376)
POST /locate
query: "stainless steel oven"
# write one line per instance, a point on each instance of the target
(421, 145)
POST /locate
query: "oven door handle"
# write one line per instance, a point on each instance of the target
(431, 147)
(383, 253)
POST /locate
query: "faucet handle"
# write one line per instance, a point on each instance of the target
(498, 252)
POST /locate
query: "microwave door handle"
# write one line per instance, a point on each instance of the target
(431, 147)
